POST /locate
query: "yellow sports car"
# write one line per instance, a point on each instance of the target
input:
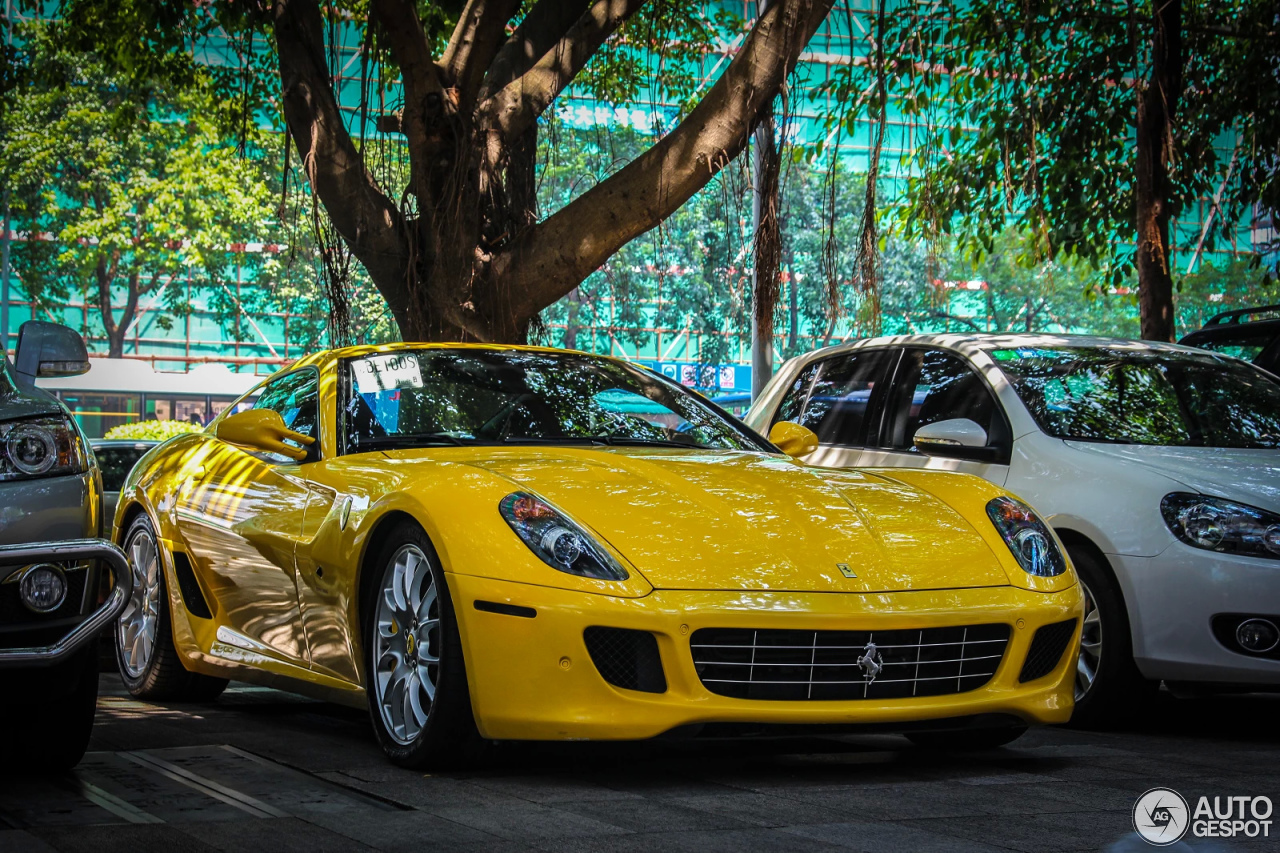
(521, 543)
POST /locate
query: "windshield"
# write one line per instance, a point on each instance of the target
(1161, 398)
(432, 397)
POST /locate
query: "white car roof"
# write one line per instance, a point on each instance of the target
(971, 344)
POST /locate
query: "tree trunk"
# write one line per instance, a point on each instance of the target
(115, 331)
(464, 257)
(793, 304)
(767, 251)
(1157, 106)
(571, 319)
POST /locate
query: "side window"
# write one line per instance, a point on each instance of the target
(296, 397)
(936, 386)
(834, 397)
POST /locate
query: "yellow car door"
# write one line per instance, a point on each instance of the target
(241, 519)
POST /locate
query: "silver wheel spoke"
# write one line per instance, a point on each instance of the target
(423, 610)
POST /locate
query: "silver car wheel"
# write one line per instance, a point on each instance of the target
(406, 660)
(1090, 645)
(136, 628)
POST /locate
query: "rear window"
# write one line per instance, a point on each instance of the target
(116, 463)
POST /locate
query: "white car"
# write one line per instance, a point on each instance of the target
(1157, 465)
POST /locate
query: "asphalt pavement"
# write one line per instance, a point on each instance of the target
(265, 770)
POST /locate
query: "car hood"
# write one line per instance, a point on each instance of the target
(1248, 476)
(749, 521)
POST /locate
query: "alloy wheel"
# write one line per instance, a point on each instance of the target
(136, 627)
(406, 660)
(1090, 645)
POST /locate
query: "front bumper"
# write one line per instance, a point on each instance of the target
(50, 509)
(1172, 599)
(15, 558)
(532, 678)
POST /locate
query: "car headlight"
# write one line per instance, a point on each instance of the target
(40, 447)
(1216, 524)
(1028, 537)
(558, 541)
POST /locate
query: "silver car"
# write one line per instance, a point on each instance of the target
(60, 585)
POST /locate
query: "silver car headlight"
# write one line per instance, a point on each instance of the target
(40, 447)
(557, 540)
(1028, 537)
(1217, 524)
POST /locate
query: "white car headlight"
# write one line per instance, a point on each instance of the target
(1217, 524)
(40, 447)
(1028, 537)
(558, 541)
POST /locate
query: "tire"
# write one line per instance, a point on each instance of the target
(967, 739)
(148, 661)
(1109, 689)
(53, 732)
(422, 717)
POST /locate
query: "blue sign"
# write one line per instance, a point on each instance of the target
(711, 379)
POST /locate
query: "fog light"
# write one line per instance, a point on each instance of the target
(43, 588)
(1257, 635)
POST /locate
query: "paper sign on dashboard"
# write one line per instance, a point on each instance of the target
(387, 373)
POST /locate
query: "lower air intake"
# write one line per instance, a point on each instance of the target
(1046, 650)
(626, 659)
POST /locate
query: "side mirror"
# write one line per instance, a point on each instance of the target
(48, 350)
(793, 439)
(263, 429)
(959, 438)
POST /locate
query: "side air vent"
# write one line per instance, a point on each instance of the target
(190, 589)
(627, 659)
(1046, 650)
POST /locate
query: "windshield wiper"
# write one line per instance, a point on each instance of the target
(392, 442)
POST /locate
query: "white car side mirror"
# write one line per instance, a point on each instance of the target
(955, 432)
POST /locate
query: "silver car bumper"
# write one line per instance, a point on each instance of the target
(14, 558)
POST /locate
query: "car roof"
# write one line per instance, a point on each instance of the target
(373, 349)
(982, 342)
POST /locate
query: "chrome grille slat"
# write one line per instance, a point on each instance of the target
(858, 648)
(789, 664)
(900, 663)
(877, 681)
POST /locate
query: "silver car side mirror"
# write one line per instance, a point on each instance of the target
(958, 438)
(47, 350)
(955, 432)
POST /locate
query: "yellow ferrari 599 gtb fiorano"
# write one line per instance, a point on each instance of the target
(489, 542)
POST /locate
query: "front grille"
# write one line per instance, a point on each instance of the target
(1046, 650)
(627, 659)
(816, 665)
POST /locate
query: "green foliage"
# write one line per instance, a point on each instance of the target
(123, 188)
(151, 430)
(657, 56)
(1029, 112)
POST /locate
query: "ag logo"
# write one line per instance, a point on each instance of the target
(1161, 817)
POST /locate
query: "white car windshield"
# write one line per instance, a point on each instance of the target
(1152, 397)
(431, 397)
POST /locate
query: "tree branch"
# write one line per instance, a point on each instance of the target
(553, 257)
(369, 222)
(546, 24)
(475, 41)
(518, 104)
